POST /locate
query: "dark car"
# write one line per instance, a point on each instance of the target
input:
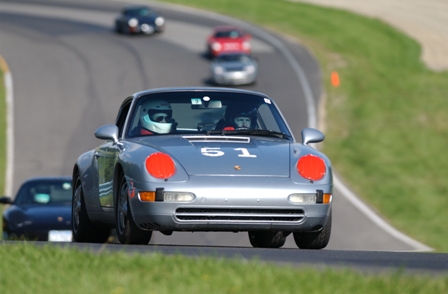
(139, 19)
(41, 210)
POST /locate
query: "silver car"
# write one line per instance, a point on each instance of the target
(203, 159)
(237, 68)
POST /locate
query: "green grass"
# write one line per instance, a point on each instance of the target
(386, 129)
(29, 269)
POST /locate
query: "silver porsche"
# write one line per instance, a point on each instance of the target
(203, 159)
(234, 69)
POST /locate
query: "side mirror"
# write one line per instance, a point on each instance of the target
(310, 135)
(107, 132)
(5, 200)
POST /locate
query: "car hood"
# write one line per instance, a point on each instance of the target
(47, 211)
(147, 19)
(229, 40)
(232, 65)
(227, 155)
(57, 216)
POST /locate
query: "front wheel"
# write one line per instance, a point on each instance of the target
(82, 228)
(262, 239)
(127, 231)
(315, 240)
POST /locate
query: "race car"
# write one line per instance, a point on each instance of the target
(227, 38)
(203, 159)
(40, 211)
(234, 69)
(139, 19)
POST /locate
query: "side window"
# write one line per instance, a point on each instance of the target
(122, 117)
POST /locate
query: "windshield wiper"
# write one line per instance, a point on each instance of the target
(267, 133)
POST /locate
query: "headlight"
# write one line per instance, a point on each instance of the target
(302, 198)
(160, 165)
(159, 21)
(250, 68)
(178, 197)
(146, 28)
(167, 196)
(308, 198)
(216, 46)
(311, 167)
(246, 45)
(133, 22)
(218, 70)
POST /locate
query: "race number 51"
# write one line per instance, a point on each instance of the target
(216, 151)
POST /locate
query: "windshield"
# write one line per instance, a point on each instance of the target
(198, 112)
(138, 12)
(44, 192)
(233, 34)
(233, 58)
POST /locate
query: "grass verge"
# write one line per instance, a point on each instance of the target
(387, 131)
(29, 269)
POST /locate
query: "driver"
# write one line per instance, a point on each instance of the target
(238, 118)
(155, 118)
(242, 121)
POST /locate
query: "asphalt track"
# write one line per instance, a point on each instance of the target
(71, 72)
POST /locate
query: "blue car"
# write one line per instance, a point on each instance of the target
(41, 210)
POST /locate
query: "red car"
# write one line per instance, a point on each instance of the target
(228, 38)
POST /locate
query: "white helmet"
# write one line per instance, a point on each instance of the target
(156, 116)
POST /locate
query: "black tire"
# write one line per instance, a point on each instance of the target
(127, 231)
(266, 239)
(118, 29)
(82, 228)
(315, 240)
(209, 53)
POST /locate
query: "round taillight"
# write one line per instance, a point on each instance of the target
(311, 167)
(160, 165)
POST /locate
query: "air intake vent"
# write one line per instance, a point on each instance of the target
(193, 139)
(239, 214)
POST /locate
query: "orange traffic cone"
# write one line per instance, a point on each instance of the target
(335, 79)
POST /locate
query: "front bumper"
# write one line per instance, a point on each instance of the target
(236, 208)
(145, 28)
(234, 78)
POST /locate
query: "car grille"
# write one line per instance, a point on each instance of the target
(233, 69)
(239, 214)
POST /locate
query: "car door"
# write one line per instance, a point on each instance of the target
(107, 155)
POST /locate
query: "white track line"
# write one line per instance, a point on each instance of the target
(9, 127)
